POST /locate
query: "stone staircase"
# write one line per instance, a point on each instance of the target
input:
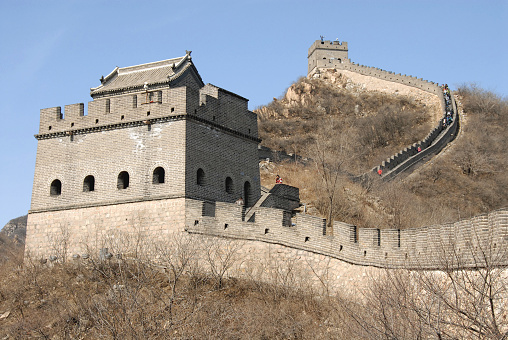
(265, 193)
(411, 157)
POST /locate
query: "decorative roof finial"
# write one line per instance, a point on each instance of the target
(102, 79)
(188, 52)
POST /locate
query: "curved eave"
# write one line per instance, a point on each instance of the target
(189, 66)
(106, 79)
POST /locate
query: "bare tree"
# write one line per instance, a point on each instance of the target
(465, 299)
(221, 254)
(330, 151)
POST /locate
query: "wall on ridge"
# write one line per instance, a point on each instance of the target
(431, 145)
(408, 157)
(419, 83)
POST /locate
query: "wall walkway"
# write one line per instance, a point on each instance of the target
(409, 158)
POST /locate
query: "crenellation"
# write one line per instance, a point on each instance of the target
(169, 154)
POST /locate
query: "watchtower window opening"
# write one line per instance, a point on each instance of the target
(158, 175)
(89, 183)
(135, 101)
(398, 238)
(108, 105)
(123, 180)
(378, 237)
(229, 185)
(200, 177)
(56, 188)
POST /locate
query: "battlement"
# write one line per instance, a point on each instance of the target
(220, 107)
(421, 248)
(118, 110)
(322, 53)
(328, 45)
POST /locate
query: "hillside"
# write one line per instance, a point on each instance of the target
(183, 296)
(372, 123)
(354, 126)
(16, 229)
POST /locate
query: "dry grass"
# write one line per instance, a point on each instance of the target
(376, 124)
(468, 179)
(132, 299)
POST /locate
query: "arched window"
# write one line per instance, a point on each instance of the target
(89, 183)
(229, 185)
(123, 180)
(247, 194)
(200, 177)
(56, 188)
(158, 175)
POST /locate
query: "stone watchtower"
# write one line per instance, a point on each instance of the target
(156, 147)
(326, 54)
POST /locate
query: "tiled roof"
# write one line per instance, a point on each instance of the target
(158, 72)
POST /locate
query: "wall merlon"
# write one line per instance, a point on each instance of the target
(74, 110)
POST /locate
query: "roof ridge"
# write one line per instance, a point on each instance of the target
(151, 65)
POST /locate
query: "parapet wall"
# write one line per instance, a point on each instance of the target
(431, 145)
(419, 83)
(82, 232)
(407, 158)
(115, 110)
(211, 104)
(464, 244)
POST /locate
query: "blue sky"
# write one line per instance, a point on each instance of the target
(52, 52)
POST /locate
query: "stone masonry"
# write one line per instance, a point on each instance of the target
(160, 152)
(155, 137)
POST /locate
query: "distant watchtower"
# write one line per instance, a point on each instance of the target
(326, 54)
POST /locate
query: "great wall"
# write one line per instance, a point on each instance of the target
(149, 160)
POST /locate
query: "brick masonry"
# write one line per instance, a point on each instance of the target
(206, 140)
(155, 137)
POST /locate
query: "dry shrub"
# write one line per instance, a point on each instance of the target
(448, 304)
(468, 179)
(375, 124)
(186, 293)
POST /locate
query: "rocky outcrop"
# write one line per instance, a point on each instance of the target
(15, 229)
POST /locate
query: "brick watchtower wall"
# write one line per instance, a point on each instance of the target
(140, 159)
(334, 55)
(325, 53)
